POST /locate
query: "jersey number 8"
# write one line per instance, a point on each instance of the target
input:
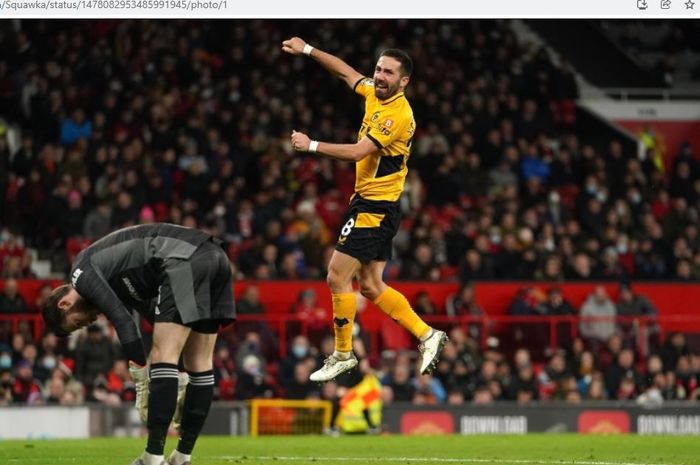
(347, 229)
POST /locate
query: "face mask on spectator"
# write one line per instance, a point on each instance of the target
(299, 351)
(622, 248)
(5, 361)
(49, 363)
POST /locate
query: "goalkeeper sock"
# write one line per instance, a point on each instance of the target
(162, 399)
(198, 398)
(394, 304)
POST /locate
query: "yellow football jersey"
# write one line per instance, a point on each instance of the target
(390, 125)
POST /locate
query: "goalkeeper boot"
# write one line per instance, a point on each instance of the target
(182, 380)
(148, 459)
(139, 374)
(430, 350)
(178, 458)
(332, 367)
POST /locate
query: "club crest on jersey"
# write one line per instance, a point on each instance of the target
(374, 117)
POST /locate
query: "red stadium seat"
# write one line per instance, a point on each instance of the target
(74, 245)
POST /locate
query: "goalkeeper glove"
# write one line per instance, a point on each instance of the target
(139, 374)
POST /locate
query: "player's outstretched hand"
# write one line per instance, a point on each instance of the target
(294, 46)
(300, 141)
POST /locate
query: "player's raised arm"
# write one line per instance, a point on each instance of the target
(344, 152)
(297, 46)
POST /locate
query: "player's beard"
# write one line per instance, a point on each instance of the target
(388, 93)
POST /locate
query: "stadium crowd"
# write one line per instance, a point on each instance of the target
(125, 122)
(121, 122)
(670, 49)
(90, 369)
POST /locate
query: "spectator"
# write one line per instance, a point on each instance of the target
(551, 378)
(249, 304)
(95, 355)
(424, 306)
(252, 380)
(596, 390)
(631, 305)
(72, 224)
(482, 396)
(581, 268)
(300, 387)
(673, 349)
(75, 127)
(251, 346)
(55, 391)
(463, 303)
(428, 390)
(551, 271)
(598, 316)
(524, 381)
(310, 313)
(422, 266)
(98, 221)
(474, 267)
(42, 295)
(400, 383)
(26, 389)
(224, 373)
(119, 382)
(619, 376)
(7, 382)
(10, 300)
(299, 353)
(557, 304)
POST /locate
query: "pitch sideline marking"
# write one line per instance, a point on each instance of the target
(429, 459)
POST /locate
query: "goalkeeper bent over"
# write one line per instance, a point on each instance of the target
(180, 280)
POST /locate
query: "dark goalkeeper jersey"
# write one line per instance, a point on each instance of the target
(122, 270)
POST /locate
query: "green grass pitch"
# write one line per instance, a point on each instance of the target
(544, 449)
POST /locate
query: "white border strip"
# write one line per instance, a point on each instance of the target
(641, 9)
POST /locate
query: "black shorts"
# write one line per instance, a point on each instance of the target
(369, 228)
(197, 292)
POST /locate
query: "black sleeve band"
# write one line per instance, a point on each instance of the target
(376, 142)
(354, 88)
(133, 351)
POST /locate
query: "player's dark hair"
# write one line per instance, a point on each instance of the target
(54, 316)
(402, 57)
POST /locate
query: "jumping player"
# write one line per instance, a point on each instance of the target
(380, 156)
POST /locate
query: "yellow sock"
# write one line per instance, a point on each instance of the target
(344, 308)
(394, 304)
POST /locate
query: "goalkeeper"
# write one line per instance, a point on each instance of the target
(180, 280)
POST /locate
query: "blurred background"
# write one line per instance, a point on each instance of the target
(550, 212)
